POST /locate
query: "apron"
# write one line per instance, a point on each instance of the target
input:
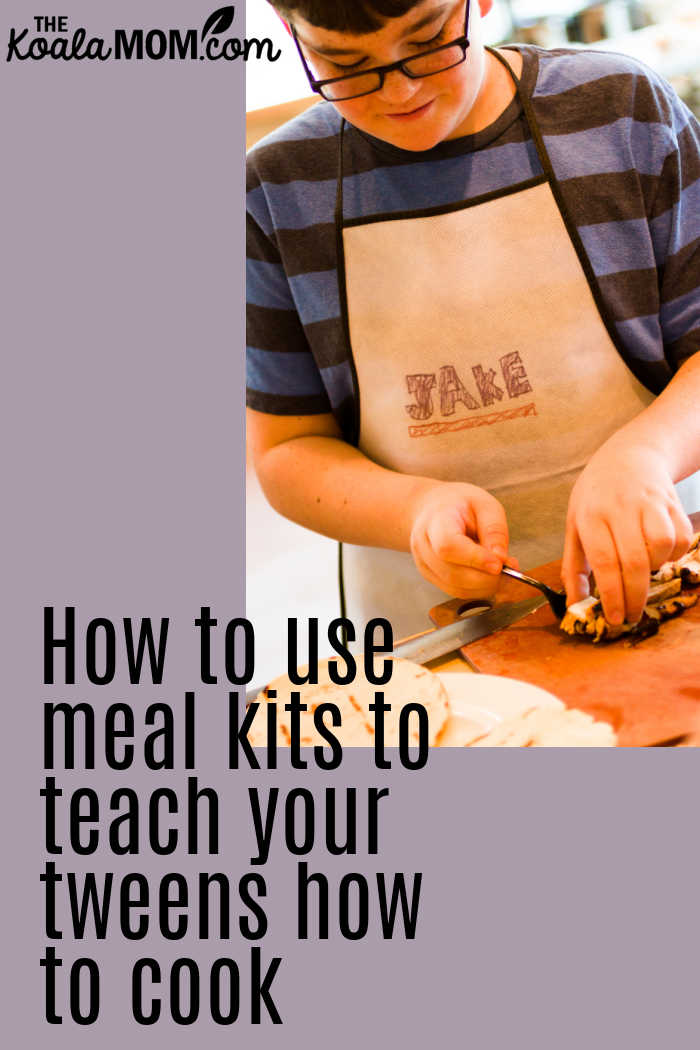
(523, 386)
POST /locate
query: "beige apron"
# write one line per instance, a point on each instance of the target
(480, 356)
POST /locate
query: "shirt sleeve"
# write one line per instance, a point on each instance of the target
(282, 377)
(674, 224)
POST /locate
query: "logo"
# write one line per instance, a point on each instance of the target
(51, 38)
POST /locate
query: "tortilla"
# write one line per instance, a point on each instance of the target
(550, 727)
(409, 683)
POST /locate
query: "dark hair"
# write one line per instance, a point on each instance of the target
(345, 16)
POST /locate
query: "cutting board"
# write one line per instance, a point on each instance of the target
(649, 690)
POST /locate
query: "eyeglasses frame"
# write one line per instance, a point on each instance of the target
(318, 85)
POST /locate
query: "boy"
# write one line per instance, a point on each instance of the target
(474, 308)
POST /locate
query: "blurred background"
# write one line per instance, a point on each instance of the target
(291, 571)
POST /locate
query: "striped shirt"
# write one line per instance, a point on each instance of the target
(626, 155)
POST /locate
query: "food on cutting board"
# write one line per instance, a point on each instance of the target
(687, 567)
(664, 602)
(535, 726)
(586, 617)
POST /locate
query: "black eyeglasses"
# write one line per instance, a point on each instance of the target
(426, 64)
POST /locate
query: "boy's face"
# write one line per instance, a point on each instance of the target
(411, 114)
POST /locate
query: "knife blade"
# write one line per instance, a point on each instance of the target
(455, 635)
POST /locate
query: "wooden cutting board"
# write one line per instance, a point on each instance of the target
(649, 691)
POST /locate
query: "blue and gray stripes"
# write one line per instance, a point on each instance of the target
(626, 155)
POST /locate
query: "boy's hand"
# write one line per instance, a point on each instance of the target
(625, 520)
(459, 539)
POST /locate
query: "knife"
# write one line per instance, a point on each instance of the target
(446, 639)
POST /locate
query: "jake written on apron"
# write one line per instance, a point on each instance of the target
(551, 386)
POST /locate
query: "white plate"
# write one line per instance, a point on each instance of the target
(479, 702)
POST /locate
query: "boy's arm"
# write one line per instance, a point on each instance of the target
(625, 518)
(456, 532)
(312, 476)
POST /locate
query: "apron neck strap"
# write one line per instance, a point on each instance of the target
(526, 103)
(339, 180)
